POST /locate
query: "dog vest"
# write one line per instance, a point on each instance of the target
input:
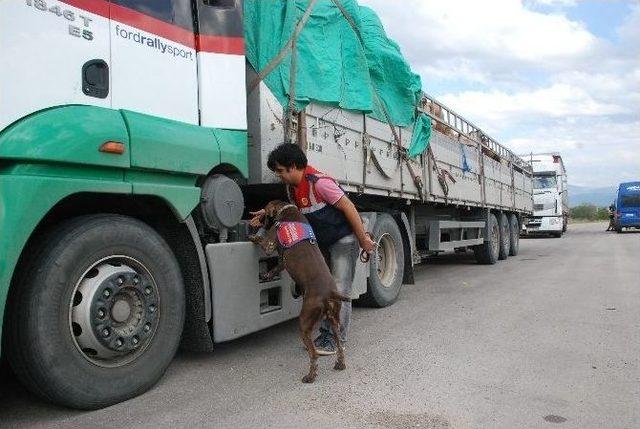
(329, 223)
(291, 233)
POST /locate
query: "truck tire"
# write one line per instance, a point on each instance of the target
(386, 266)
(514, 230)
(505, 237)
(98, 314)
(487, 252)
(5, 371)
(565, 225)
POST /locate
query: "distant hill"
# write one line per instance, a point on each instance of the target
(600, 197)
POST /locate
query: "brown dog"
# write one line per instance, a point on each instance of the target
(307, 267)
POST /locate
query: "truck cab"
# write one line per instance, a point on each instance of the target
(627, 213)
(550, 199)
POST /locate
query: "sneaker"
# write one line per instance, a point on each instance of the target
(325, 347)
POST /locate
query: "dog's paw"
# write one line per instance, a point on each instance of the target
(308, 378)
(339, 366)
(266, 277)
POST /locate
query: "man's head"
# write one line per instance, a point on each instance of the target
(288, 161)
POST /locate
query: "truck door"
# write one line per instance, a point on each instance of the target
(153, 58)
(53, 53)
(221, 63)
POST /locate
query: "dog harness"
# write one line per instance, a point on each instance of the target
(291, 233)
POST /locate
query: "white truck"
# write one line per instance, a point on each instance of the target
(131, 151)
(550, 195)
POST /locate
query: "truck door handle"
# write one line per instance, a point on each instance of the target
(95, 78)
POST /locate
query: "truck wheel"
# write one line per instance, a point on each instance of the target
(564, 225)
(505, 236)
(386, 266)
(5, 371)
(514, 231)
(487, 252)
(98, 315)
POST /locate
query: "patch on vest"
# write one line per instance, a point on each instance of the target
(291, 233)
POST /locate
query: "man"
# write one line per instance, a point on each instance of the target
(612, 213)
(335, 221)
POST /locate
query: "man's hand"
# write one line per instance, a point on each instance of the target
(256, 221)
(367, 244)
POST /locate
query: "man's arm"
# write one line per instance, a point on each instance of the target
(345, 205)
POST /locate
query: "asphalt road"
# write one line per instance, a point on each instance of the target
(550, 338)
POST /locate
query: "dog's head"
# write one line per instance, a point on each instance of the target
(271, 211)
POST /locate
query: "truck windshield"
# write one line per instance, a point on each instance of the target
(544, 182)
(630, 201)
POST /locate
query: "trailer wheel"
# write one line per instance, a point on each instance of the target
(98, 315)
(505, 237)
(386, 266)
(487, 252)
(514, 230)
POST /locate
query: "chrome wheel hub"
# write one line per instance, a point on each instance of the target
(114, 311)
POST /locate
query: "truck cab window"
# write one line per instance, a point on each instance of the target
(220, 18)
(178, 12)
(544, 182)
(223, 4)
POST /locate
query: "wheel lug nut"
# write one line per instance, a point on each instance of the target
(106, 293)
(101, 313)
(148, 290)
(136, 280)
(135, 340)
(152, 308)
(119, 342)
(147, 327)
(106, 332)
(120, 280)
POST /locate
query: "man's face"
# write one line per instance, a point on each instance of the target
(290, 175)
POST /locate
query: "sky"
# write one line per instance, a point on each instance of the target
(536, 75)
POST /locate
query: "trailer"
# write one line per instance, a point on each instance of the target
(133, 144)
(550, 195)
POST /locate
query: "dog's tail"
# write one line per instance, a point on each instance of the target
(335, 296)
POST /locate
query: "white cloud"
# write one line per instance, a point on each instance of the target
(489, 33)
(531, 77)
(597, 153)
(556, 101)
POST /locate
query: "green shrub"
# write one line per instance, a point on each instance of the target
(589, 212)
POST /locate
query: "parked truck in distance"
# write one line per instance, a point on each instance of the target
(550, 195)
(627, 214)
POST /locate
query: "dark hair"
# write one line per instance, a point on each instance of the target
(287, 155)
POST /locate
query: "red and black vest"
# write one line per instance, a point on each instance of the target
(328, 223)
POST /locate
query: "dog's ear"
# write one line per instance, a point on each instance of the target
(272, 208)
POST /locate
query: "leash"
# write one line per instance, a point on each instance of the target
(364, 256)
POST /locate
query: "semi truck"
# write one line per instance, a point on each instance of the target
(550, 195)
(133, 144)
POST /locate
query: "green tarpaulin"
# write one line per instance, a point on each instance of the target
(332, 65)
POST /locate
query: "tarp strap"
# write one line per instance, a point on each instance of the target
(441, 173)
(402, 151)
(275, 62)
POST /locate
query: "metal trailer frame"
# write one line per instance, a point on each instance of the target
(361, 153)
